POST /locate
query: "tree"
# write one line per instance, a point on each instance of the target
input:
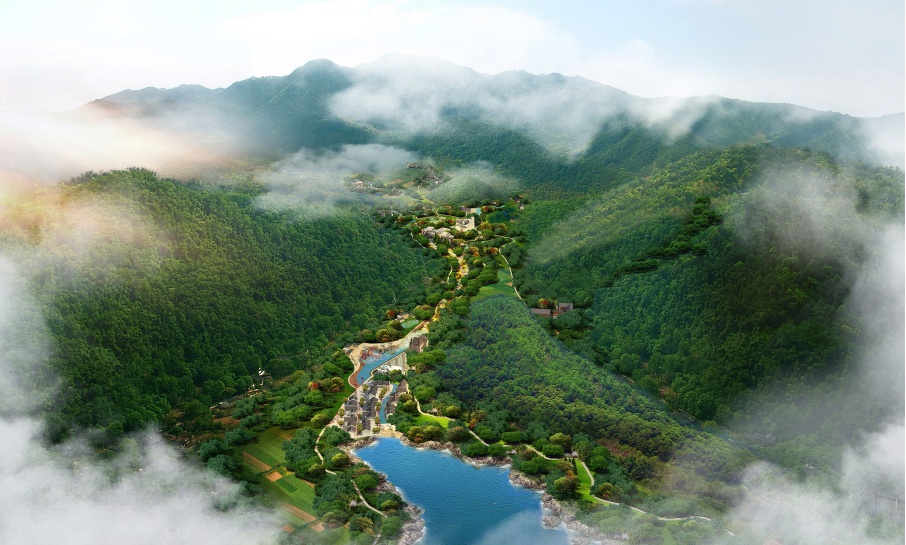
(608, 492)
(563, 440)
(391, 526)
(359, 523)
(565, 487)
(367, 481)
(458, 434)
(340, 460)
(320, 420)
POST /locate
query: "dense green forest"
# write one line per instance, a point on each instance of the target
(172, 293)
(712, 265)
(507, 366)
(711, 280)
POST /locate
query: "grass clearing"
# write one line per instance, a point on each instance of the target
(409, 324)
(301, 493)
(428, 420)
(500, 288)
(298, 501)
(584, 482)
(667, 535)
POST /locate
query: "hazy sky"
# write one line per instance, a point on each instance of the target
(846, 56)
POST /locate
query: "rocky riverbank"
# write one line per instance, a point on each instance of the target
(557, 514)
(579, 533)
(453, 449)
(413, 529)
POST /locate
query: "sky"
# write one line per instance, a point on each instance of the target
(845, 56)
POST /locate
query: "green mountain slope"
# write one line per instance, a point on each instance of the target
(184, 292)
(725, 274)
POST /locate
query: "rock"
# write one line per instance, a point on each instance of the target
(578, 541)
(523, 480)
(550, 522)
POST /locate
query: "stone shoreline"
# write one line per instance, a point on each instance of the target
(478, 461)
(414, 529)
(559, 515)
(579, 533)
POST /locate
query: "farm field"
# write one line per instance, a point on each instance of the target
(268, 447)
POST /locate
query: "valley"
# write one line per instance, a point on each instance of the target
(678, 332)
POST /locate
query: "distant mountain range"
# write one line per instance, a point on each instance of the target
(406, 100)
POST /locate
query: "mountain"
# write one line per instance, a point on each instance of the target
(406, 100)
(732, 273)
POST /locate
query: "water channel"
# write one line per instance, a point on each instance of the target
(463, 505)
(373, 362)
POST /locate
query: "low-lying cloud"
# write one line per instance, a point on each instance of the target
(312, 181)
(145, 494)
(822, 216)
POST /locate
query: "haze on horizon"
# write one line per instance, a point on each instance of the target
(844, 56)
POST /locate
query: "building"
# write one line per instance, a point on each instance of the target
(418, 344)
(465, 224)
(445, 235)
(553, 313)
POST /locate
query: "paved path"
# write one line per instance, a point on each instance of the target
(636, 509)
(359, 492)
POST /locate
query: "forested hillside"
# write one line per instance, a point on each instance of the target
(724, 274)
(509, 367)
(727, 261)
(159, 293)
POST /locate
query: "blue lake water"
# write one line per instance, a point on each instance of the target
(373, 363)
(463, 505)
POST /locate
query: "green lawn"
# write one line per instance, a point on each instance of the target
(409, 324)
(427, 420)
(667, 535)
(584, 482)
(500, 288)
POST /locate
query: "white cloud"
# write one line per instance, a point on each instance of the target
(147, 495)
(846, 56)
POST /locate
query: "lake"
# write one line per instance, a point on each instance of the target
(463, 505)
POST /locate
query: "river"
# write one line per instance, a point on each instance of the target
(463, 505)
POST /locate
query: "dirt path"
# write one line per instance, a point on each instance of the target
(513, 285)
(255, 462)
(368, 505)
(295, 511)
(476, 437)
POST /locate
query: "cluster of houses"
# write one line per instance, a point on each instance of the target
(362, 409)
(553, 313)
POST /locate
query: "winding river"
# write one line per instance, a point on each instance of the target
(463, 505)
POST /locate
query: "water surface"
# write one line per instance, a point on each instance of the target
(374, 362)
(463, 505)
